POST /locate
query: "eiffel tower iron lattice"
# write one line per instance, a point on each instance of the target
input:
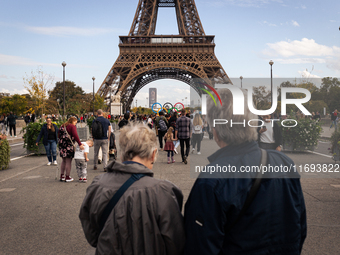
(145, 57)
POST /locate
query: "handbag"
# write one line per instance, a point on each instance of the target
(69, 137)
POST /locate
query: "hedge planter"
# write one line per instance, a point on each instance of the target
(302, 137)
(288, 146)
(335, 149)
(5, 154)
(39, 151)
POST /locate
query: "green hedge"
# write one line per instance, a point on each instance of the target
(5, 157)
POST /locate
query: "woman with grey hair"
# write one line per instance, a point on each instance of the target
(147, 218)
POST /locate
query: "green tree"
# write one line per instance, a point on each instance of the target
(15, 103)
(72, 94)
(37, 84)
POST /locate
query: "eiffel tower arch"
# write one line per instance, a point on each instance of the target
(145, 57)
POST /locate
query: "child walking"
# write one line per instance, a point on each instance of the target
(80, 157)
(169, 145)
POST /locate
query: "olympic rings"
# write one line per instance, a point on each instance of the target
(180, 104)
(166, 110)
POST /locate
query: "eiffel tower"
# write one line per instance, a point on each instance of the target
(145, 57)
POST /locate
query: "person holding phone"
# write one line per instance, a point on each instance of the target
(269, 134)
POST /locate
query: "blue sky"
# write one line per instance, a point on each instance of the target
(301, 37)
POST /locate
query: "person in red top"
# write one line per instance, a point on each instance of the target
(68, 137)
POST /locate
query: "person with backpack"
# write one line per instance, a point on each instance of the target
(334, 116)
(101, 131)
(161, 126)
(197, 133)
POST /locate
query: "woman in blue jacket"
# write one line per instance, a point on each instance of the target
(50, 133)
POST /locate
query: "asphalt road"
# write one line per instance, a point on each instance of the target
(39, 214)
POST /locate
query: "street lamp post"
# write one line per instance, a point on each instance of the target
(64, 64)
(271, 63)
(147, 102)
(93, 94)
(241, 77)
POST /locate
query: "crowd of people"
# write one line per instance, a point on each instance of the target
(126, 210)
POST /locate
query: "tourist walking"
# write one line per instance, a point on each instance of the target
(2, 123)
(12, 121)
(183, 132)
(236, 213)
(33, 117)
(169, 144)
(27, 119)
(161, 124)
(146, 219)
(101, 131)
(68, 137)
(197, 133)
(334, 118)
(50, 133)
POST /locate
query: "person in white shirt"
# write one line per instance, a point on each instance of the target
(81, 159)
(197, 133)
(269, 135)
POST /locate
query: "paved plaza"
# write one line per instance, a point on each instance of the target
(39, 215)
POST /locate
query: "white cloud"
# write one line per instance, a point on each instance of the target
(3, 76)
(14, 91)
(300, 60)
(69, 31)
(295, 24)
(304, 51)
(21, 61)
(305, 47)
(303, 7)
(267, 23)
(306, 74)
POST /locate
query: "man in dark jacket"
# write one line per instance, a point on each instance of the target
(275, 221)
(124, 121)
(12, 121)
(27, 119)
(269, 135)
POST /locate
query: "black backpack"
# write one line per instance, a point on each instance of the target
(97, 129)
(162, 125)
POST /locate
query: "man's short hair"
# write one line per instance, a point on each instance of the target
(161, 113)
(183, 111)
(237, 134)
(100, 112)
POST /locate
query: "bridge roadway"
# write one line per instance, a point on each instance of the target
(39, 215)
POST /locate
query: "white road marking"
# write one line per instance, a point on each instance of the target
(32, 177)
(33, 168)
(7, 190)
(320, 154)
(17, 144)
(12, 159)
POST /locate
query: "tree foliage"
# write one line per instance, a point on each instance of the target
(15, 103)
(37, 84)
